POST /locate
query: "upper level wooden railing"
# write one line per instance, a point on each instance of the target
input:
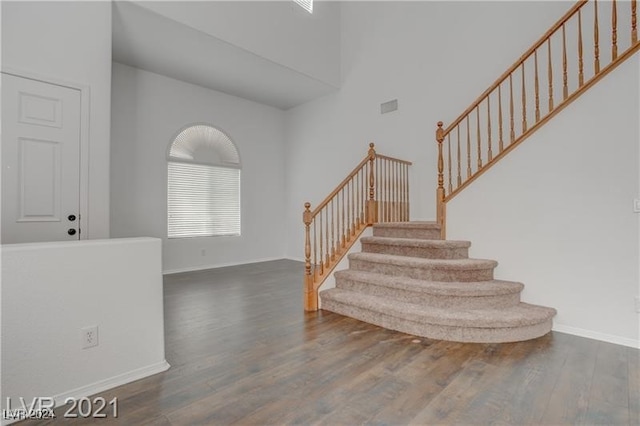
(483, 135)
(377, 190)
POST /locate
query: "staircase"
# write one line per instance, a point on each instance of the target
(408, 279)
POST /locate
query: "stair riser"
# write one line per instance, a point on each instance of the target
(424, 273)
(426, 299)
(440, 332)
(423, 252)
(421, 234)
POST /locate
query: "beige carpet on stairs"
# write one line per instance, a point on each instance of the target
(408, 279)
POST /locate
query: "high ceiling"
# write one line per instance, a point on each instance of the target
(152, 42)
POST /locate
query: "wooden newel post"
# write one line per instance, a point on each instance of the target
(440, 206)
(372, 206)
(310, 296)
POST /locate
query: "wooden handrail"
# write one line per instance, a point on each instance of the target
(377, 189)
(339, 187)
(570, 92)
(517, 64)
(350, 176)
(572, 97)
(408, 163)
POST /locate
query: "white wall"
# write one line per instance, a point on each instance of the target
(557, 213)
(148, 111)
(70, 42)
(435, 58)
(1, 394)
(280, 31)
(52, 290)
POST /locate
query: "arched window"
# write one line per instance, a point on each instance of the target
(203, 186)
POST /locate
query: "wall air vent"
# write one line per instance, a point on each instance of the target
(389, 106)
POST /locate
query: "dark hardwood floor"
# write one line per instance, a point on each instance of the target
(242, 351)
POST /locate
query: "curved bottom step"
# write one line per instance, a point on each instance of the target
(443, 295)
(535, 321)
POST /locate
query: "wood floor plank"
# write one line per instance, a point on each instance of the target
(634, 386)
(436, 368)
(610, 384)
(449, 404)
(606, 413)
(243, 352)
(569, 400)
(498, 388)
(531, 386)
(374, 393)
(346, 387)
(284, 380)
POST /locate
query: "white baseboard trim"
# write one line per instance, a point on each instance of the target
(112, 382)
(105, 384)
(296, 259)
(604, 337)
(219, 265)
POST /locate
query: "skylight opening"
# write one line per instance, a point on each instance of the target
(306, 5)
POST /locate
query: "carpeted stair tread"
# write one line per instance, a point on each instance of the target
(413, 326)
(521, 315)
(413, 247)
(408, 279)
(445, 264)
(439, 288)
(409, 225)
(418, 230)
(412, 242)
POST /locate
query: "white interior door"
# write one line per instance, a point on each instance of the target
(40, 161)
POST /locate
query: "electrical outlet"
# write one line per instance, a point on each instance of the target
(203, 252)
(89, 336)
(638, 304)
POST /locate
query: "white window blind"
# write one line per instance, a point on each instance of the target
(306, 4)
(203, 200)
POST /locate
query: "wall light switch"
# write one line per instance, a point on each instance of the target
(636, 206)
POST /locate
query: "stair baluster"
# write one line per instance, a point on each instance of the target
(620, 51)
(440, 191)
(634, 22)
(614, 31)
(376, 190)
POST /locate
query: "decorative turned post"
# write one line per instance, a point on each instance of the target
(372, 208)
(580, 62)
(634, 22)
(310, 298)
(565, 78)
(596, 39)
(440, 191)
(614, 31)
